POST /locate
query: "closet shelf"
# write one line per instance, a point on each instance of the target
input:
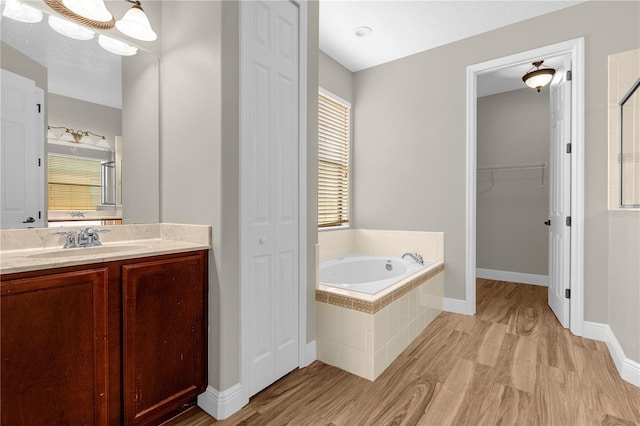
(530, 166)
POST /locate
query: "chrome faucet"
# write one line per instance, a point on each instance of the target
(88, 237)
(71, 239)
(416, 257)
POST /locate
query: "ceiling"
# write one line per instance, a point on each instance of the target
(402, 28)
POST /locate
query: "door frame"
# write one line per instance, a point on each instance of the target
(306, 352)
(574, 48)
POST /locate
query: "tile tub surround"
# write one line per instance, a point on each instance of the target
(364, 337)
(380, 243)
(16, 245)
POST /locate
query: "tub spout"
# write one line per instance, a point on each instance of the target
(415, 256)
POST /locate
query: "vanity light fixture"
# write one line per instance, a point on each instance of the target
(69, 29)
(13, 9)
(90, 13)
(116, 46)
(539, 77)
(77, 135)
(135, 23)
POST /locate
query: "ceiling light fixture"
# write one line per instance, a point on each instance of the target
(77, 135)
(69, 29)
(135, 23)
(362, 31)
(21, 12)
(116, 46)
(539, 77)
(90, 13)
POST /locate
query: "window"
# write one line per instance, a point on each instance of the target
(334, 131)
(74, 183)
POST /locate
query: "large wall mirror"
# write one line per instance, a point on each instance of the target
(96, 135)
(630, 147)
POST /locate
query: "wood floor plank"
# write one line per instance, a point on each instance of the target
(511, 364)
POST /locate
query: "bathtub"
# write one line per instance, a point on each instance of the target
(367, 274)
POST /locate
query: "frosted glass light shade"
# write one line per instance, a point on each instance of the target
(135, 24)
(21, 12)
(69, 29)
(116, 46)
(539, 78)
(91, 9)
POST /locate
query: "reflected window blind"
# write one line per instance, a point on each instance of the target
(333, 161)
(74, 183)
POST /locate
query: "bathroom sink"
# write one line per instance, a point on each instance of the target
(84, 251)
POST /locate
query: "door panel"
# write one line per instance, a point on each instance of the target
(20, 186)
(560, 197)
(269, 191)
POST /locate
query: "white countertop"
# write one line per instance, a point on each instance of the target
(36, 249)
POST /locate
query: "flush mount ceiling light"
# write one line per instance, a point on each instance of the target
(135, 24)
(539, 77)
(90, 13)
(17, 11)
(116, 46)
(362, 31)
(69, 29)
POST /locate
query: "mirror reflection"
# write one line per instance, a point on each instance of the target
(65, 161)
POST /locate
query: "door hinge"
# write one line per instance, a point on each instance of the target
(39, 162)
(40, 214)
(39, 108)
(567, 221)
(567, 293)
(569, 148)
(569, 75)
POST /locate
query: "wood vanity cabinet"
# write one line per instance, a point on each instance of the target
(121, 342)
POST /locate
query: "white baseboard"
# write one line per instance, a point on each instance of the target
(456, 306)
(628, 369)
(221, 405)
(310, 355)
(515, 277)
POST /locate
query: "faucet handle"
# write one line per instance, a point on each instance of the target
(71, 238)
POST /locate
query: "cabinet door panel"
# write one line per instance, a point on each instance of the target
(164, 351)
(54, 349)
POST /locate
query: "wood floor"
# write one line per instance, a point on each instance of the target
(510, 364)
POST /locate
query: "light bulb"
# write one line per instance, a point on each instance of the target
(135, 24)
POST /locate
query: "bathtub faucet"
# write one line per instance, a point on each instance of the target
(415, 256)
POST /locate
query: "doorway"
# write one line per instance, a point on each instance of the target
(573, 264)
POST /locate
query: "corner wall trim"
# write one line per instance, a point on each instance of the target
(221, 404)
(457, 306)
(514, 277)
(628, 369)
(310, 354)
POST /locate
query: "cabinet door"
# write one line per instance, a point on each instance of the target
(54, 349)
(164, 336)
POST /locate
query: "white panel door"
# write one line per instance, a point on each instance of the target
(269, 190)
(21, 147)
(560, 197)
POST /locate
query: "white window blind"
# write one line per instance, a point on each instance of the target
(74, 183)
(334, 129)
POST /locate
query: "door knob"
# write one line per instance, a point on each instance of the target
(262, 240)
(29, 220)
(547, 222)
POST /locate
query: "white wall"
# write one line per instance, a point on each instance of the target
(409, 170)
(513, 128)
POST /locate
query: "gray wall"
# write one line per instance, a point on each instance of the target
(200, 156)
(410, 133)
(18, 63)
(334, 77)
(83, 115)
(140, 139)
(624, 280)
(513, 128)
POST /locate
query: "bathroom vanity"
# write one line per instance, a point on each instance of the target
(113, 336)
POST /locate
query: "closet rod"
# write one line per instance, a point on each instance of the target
(530, 166)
